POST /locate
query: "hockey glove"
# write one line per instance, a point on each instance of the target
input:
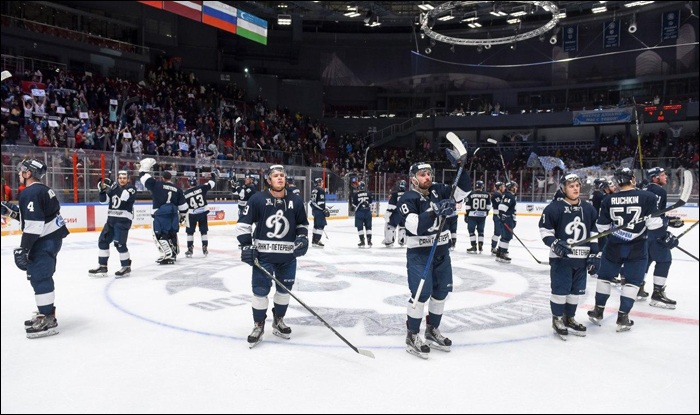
(104, 185)
(249, 253)
(675, 222)
(561, 249)
(8, 209)
(147, 165)
(21, 258)
(445, 208)
(326, 213)
(214, 174)
(669, 241)
(593, 263)
(301, 246)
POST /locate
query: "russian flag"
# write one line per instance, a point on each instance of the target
(190, 9)
(220, 15)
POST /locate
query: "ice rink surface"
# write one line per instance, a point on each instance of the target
(172, 338)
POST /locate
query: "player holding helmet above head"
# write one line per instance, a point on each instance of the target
(477, 205)
(43, 230)
(392, 218)
(121, 197)
(565, 222)
(627, 246)
(362, 202)
(422, 210)
(279, 238)
(319, 212)
(196, 197)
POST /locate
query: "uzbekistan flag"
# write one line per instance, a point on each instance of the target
(220, 15)
(252, 27)
(190, 9)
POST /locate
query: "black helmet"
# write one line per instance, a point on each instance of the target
(623, 176)
(36, 167)
(290, 180)
(362, 186)
(402, 185)
(318, 181)
(498, 185)
(479, 184)
(192, 181)
(511, 185)
(655, 172)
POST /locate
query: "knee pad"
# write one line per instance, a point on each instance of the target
(120, 248)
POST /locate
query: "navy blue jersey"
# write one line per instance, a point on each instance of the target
(422, 224)
(196, 197)
(597, 199)
(507, 206)
(394, 201)
(626, 206)
(318, 199)
(277, 222)
(395, 217)
(164, 193)
(558, 195)
(121, 201)
(362, 200)
(496, 198)
(294, 190)
(661, 201)
(40, 215)
(571, 224)
(244, 193)
(477, 204)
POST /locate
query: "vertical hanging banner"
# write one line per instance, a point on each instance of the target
(220, 15)
(189, 9)
(570, 38)
(611, 34)
(670, 22)
(156, 4)
(251, 27)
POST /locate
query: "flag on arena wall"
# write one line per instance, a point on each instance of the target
(611, 34)
(189, 9)
(251, 27)
(570, 38)
(628, 162)
(156, 4)
(220, 15)
(532, 161)
(670, 22)
(550, 163)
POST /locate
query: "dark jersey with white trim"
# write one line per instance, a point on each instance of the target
(477, 204)
(40, 215)
(245, 193)
(121, 202)
(318, 199)
(362, 200)
(509, 201)
(558, 195)
(294, 190)
(496, 198)
(661, 201)
(196, 197)
(597, 199)
(277, 222)
(422, 225)
(571, 224)
(164, 193)
(626, 206)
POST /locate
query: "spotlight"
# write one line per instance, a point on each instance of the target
(512, 46)
(633, 24)
(553, 40)
(245, 70)
(487, 46)
(428, 51)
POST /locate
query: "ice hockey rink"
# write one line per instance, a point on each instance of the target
(172, 338)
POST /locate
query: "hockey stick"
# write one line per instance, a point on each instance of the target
(459, 147)
(279, 284)
(639, 137)
(326, 235)
(503, 162)
(688, 230)
(521, 243)
(688, 253)
(685, 195)
(125, 104)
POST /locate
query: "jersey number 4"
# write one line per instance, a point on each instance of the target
(196, 201)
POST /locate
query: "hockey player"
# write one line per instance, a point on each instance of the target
(121, 197)
(244, 192)
(291, 188)
(198, 214)
(452, 224)
(627, 246)
(564, 223)
(362, 202)
(658, 251)
(496, 197)
(391, 228)
(43, 230)
(603, 188)
(319, 212)
(477, 205)
(279, 238)
(422, 209)
(168, 204)
(506, 213)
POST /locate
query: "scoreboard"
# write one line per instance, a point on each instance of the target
(664, 113)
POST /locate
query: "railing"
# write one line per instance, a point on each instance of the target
(19, 64)
(398, 128)
(56, 31)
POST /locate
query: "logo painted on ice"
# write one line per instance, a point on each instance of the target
(279, 225)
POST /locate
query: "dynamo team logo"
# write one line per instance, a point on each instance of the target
(279, 225)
